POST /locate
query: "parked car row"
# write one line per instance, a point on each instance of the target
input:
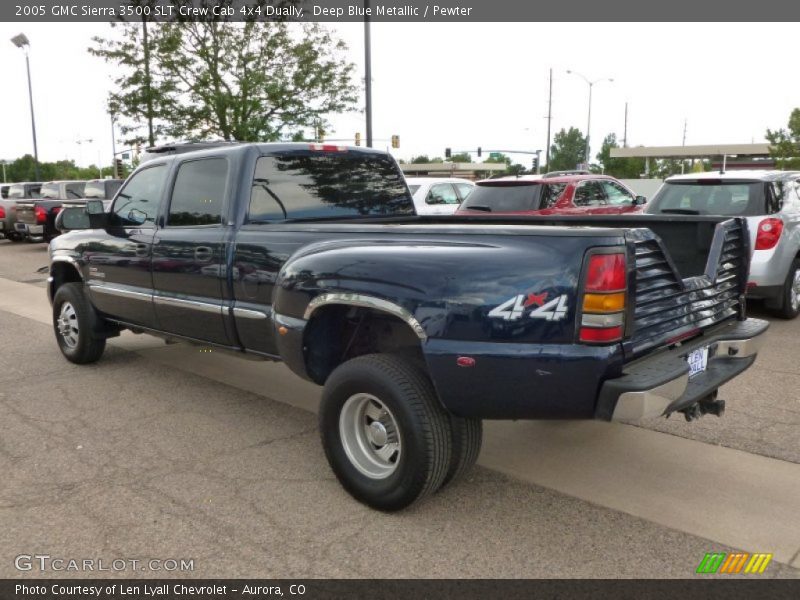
(28, 210)
(770, 200)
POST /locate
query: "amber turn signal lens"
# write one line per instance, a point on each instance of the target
(600, 303)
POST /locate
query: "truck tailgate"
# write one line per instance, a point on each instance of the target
(669, 307)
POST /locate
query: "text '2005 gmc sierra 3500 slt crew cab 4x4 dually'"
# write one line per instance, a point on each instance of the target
(417, 327)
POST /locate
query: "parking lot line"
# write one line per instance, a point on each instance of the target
(728, 496)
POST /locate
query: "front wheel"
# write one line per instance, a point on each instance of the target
(790, 305)
(75, 323)
(384, 433)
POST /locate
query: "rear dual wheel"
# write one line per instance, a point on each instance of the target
(387, 437)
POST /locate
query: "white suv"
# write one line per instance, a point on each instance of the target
(770, 200)
(438, 195)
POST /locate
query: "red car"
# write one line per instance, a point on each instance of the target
(558, 193)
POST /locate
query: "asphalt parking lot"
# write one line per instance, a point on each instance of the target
(164, 452)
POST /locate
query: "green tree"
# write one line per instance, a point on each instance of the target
(237, 81)
(22, 169)
(461, 157)
(568, 150)
(623, 168)
(785, 143)
(423, 159)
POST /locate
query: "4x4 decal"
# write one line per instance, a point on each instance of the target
(513, 309)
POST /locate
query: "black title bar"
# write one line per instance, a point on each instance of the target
(711, 588)
(449, 11)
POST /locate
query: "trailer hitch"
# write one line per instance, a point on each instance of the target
(705, 406)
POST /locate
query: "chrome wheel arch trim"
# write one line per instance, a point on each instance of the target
(66, 259)
(365, 301)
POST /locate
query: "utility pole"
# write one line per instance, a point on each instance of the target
(683, 143)
(549, 121)
(148, 93)
(113, 141)
(625, 131)
(21, 42)
(368, 74)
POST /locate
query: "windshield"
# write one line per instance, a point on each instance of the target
(50, 190)
(709, 197)
(503, 198)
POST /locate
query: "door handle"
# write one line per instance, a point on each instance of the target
(203, 253)
(142, 249)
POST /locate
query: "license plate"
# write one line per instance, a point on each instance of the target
(35, 229)
(698, 361)
(21, 227)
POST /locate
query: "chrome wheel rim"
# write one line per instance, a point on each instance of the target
(67, 324)
(370, 436)
(795, 291)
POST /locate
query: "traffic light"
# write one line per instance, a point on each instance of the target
(395, 141)
(535, 164)
(448, 153)
(358, 138)
(479, 150)
(118, 168)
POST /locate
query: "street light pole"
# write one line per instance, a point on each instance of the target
(21, 41)
(589, 118)
(367, 74)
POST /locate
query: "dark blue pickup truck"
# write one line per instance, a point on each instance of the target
(417, 327)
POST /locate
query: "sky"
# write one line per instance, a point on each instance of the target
(464, 85)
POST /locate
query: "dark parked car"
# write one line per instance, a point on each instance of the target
(417, 327)
(36, 218)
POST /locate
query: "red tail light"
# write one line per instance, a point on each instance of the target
(41, 215)
(597, 334)
(604, 299)
(769, 232)
(606, 273)
(2, 213)
(328, 148)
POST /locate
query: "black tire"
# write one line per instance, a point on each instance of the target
(404, 397)
(790, 300)
(467, 436)
(76, 329)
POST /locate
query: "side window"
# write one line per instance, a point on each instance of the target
(590, 193)
(775, 194)
(551, 193)
(442, 193)
(35, 192)
(75, 190)
(137, 202)
(198, 193)
(464, 189)
(616, 194)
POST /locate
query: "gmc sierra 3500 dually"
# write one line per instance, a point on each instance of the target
(417, 327)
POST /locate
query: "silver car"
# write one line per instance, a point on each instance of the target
(770, 200)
